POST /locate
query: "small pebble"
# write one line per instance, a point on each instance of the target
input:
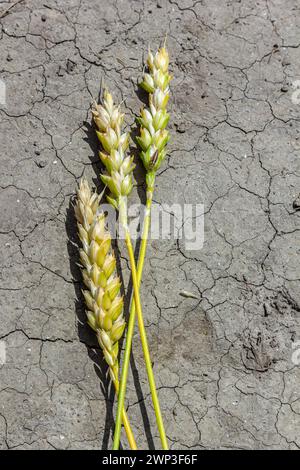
(187, 294)
(41, 163)
(60, 71)
(296, 203)
(180, 127)
(70, 65)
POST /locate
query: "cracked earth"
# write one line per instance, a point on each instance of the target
(223, 361)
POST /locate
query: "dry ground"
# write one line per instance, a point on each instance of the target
(224, 364)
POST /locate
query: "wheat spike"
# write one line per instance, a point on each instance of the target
(153, 121)
(119, 167)
(102, 297)
(105, 305)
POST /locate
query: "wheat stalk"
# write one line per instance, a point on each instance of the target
(152, 140)
(118, 178)
(102, 296)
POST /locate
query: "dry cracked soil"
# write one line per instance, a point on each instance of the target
(227, 361)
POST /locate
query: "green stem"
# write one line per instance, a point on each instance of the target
(136, 307)
(125, 419)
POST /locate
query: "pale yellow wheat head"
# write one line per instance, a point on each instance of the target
(119, 166)
(102, 296)
(153, 120)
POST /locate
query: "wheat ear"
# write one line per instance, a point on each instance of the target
(153, 121)
(152, 140)
(153, 134)
(102, 297)
(118, 178)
